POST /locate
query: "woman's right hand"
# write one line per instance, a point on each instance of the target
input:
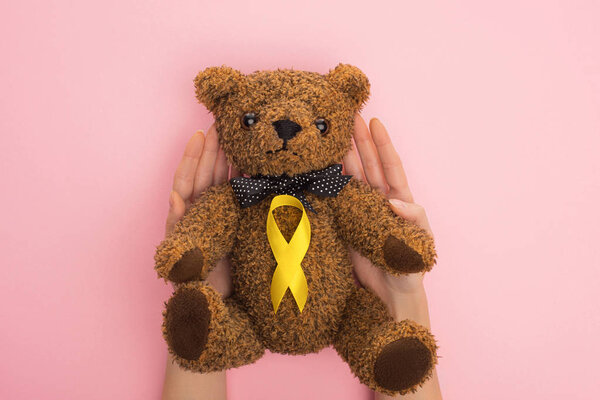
(203, 165)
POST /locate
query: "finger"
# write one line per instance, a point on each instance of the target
(176, 211)
(390, 162)
(221, 168)
(368, 155)
(234, 172)
(183, 182)
(412, 212)
(206, 165)
(352, 164)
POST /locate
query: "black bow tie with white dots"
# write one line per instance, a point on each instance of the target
(326, 183)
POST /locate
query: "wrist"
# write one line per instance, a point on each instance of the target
(409, 305)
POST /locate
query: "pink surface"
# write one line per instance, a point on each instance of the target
(494, 107)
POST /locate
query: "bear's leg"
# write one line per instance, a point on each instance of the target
(390, 357)
(207, 334)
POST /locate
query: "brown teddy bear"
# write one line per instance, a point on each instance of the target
(286, 227)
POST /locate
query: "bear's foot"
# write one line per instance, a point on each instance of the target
(188, 268)
(400, 257)
(391, 357)
(402, 364)
(186, 323)
(206, 333)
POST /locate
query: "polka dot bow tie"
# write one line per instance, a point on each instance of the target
(326, 182)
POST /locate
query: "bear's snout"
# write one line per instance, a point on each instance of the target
(286, 129)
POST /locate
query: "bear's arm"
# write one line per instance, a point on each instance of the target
(204, 235)
(368, 224)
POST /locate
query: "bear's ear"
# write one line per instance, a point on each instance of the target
(215, 84)
(352, 81)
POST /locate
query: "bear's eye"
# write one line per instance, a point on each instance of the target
(322, 125)
(248, 120)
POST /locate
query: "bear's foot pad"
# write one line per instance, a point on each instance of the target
(187, 321)
(403, 364)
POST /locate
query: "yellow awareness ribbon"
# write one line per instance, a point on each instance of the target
(288, 273)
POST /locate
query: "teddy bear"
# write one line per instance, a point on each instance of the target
(287, 225)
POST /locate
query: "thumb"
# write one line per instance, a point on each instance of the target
(176, 211)
(412, 212)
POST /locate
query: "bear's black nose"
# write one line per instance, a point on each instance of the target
(286, 129)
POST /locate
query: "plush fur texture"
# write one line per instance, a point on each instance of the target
(206, 333)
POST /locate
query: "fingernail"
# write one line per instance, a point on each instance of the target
(398, 203)
(172, 199)
(199, 132)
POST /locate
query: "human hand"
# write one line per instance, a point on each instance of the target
(203, 165)
(374, 159)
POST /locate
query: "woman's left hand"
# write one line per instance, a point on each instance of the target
(378, 163)
(373, 159)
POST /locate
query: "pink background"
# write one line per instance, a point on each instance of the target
(494, 107)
